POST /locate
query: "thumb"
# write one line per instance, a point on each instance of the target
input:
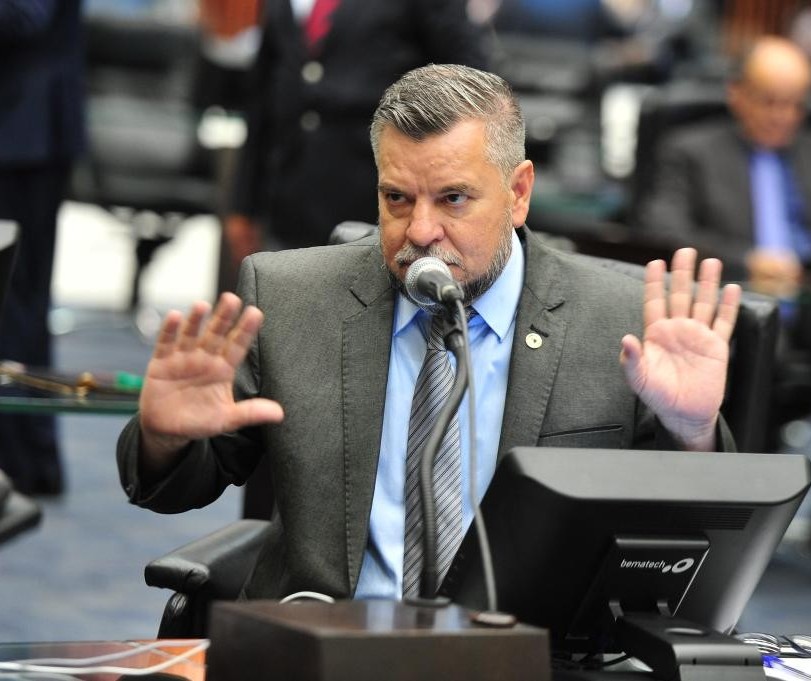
(254, 412)
(631, 360)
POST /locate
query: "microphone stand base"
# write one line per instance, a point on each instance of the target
(368, 641)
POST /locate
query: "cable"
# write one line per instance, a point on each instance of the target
(66, 666)
(309, 595)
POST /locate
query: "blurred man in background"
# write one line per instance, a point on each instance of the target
(41, 132)
(740, 188)
(321, 69)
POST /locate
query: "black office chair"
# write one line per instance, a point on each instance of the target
(663, 111)
(145, 163)
(216, 566)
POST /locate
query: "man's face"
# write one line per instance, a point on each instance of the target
(442, 197)
(769, 101)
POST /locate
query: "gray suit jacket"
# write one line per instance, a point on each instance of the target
(702, 194)
(323, 352)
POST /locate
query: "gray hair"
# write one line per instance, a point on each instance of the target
(432, 99)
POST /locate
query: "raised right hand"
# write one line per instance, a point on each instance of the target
(188, 387)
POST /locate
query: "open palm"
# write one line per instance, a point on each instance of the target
(188, 388)
(679, 367)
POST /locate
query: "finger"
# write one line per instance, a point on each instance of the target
(190, 329)
(682, 272)
(243, 335)
(655, 304)
(220, 323)
(631, 360)
(706, 300)
(168, 334)
(253, 412)
(727, 314)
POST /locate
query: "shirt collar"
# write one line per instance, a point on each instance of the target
(496, 306)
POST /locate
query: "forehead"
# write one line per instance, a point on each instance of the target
(779, 71)
(459, 152)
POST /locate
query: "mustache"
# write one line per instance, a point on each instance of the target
(409, 253)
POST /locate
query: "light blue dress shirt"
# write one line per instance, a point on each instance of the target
(491, 333)
(780, 222)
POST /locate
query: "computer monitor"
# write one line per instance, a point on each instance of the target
(581, 537)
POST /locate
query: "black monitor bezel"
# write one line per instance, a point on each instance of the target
(741, 503)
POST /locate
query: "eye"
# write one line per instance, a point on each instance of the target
(456, 198)
(394, 197)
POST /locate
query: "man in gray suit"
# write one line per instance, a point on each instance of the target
(740, 189)
(331, 335)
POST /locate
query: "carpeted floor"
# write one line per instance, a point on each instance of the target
(79, 575)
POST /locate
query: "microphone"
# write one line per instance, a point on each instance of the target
(429, 284)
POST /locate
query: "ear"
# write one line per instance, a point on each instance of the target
(521, 183)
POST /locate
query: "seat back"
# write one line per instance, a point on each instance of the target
(143, 148)
(662, 111)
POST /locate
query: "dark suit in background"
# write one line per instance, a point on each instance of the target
(703, 195)
(41, 132)
(307, 164)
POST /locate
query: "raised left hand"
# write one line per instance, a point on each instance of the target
(679, 367)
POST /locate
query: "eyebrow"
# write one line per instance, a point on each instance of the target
(462, 188)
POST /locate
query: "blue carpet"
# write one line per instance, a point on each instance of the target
(79, 575)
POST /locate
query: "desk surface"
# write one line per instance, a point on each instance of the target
(187, 660)
(74, 659)
(33, 390)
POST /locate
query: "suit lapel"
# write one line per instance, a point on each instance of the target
(541, 313)
(735, 167)
(366, 345)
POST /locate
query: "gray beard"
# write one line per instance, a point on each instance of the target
(471, 289)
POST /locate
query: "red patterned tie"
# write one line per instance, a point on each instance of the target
(319, 23)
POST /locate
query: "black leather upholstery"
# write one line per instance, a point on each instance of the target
(663, 111)
(213, 567)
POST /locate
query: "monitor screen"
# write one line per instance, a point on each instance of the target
(581, 536)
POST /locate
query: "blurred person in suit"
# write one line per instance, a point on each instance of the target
(321, 68)
(740, 188)
(41, 132)
(230, 35)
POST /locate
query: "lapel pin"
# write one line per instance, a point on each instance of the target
(533, 340)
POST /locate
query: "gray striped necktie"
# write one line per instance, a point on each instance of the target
(430, 394)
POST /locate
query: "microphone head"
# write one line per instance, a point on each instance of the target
(430, 265)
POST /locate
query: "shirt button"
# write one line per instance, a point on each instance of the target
(312, 72)
(310, 121)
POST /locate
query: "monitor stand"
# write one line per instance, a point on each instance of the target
(679, 650)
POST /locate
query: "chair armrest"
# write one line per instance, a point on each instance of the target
(216, 565)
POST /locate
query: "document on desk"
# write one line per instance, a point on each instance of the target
(788, 668)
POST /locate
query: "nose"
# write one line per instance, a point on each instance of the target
(424, 227)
